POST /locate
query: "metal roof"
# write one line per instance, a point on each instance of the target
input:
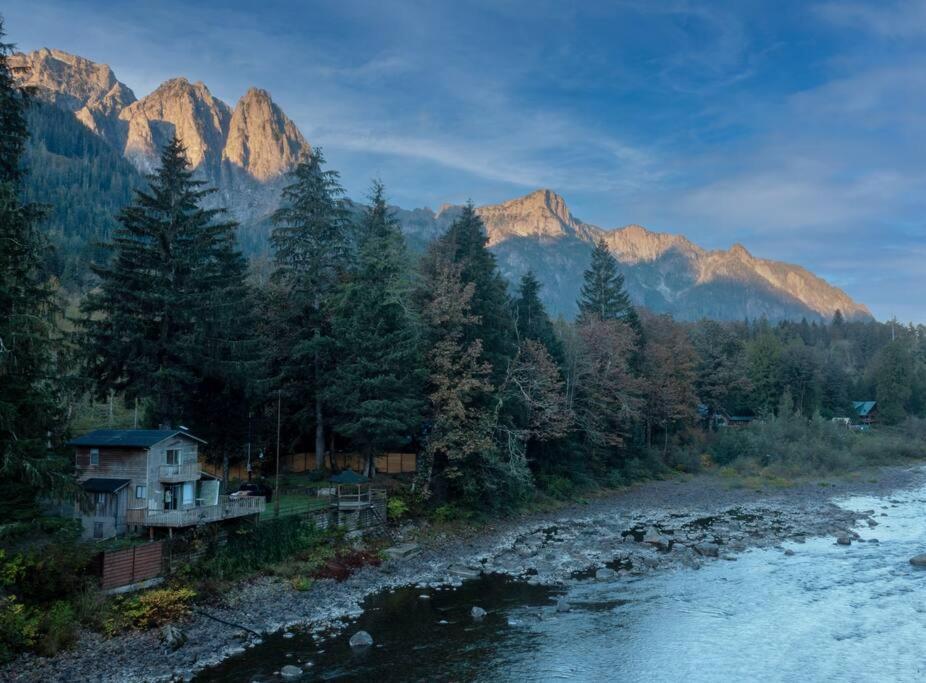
(100, 485)
(863, 408)
(349, 477)
(140, 438)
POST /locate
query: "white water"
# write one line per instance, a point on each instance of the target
(827, 613)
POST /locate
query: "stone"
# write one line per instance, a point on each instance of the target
(361, 639)
(789, 552)
(707, 549)
(477, 613)
(918, 560)
(172, 637)
(562, 605)
(605, 574)
(290, 671)
(843, 540)
(464, 572)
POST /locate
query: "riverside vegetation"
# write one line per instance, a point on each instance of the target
(368, 347)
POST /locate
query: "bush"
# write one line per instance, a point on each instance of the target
(19, 628)
(157, 607)
(302, 583)
(556, 486)
(59, 629)
(396, 508)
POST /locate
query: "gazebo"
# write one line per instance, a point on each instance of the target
(353, 490)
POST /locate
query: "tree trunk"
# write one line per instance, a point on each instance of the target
(319, 419)
(225, 472)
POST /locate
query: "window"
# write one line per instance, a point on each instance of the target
(173, 456)
(100, 501)
(98, 529)
(94, 456)
(140, 491)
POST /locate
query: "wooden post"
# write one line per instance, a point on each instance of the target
(276, 497)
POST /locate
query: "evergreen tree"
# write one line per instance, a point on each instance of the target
(531, 319)
(465, 244)
(29, 407)
(162, 299)
(603, 296)
(377, 382)
(311, 245)
(893, 375)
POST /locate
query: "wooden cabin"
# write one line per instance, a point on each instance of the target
(139, 479)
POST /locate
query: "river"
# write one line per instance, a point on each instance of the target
(825, 612)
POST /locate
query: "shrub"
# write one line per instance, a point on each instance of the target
(396, 508)
(158, 607)
(19, 627)
(59, 629)
(302, 583)
(556, 486)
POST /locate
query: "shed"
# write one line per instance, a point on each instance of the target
(353, 490)
(867, 411)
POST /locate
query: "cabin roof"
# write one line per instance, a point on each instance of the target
(101, 485)
(349, 477)
(139, 438)
(864, 408)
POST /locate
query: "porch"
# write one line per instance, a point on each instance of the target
(225, 508)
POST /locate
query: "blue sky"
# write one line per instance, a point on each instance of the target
(795, 128)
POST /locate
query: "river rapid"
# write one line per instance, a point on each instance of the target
(798, 607)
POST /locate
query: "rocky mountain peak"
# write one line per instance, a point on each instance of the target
(261, 139)
(179, 107)
(542, 213)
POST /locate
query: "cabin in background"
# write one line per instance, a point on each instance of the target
(867, 411)
(138, 479)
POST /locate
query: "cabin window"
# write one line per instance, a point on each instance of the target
(94, 456)
(140, 491)
(173, 456)
(98, 529)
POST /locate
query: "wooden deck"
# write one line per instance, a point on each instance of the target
(227, 508)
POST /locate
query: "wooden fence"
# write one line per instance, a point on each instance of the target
(132, 565)
(388, 463)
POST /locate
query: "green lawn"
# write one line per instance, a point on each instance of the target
(294, 504)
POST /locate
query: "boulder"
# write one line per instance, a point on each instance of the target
(605, 574)
(172, 637)
(477, 613)
(707, 549)
(843, 540)
(290, 671)
(789, 552)
(918, 560)
(562, 605)
(361, 639)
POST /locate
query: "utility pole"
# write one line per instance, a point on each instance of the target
(276, 487)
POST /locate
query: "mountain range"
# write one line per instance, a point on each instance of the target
(245, 152)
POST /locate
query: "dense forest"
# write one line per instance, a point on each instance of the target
(367, 347)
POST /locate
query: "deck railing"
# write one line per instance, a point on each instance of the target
(187, 471)
(226, 508)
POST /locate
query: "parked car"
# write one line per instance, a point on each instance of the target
(256, 488)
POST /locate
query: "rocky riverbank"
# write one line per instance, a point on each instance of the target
(652, 527)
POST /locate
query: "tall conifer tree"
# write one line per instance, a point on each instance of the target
(603, 296)
(311, 244)
(164, 295)
(28, 399)
(531, 317)
(377, 382)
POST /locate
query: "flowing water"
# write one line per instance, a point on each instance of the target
(825, 613)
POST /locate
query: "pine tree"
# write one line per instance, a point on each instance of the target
(603, 296)
(531, 319)
(377, 382)
(174, 270)
(465, 244)
(311, 245)
(29, 407)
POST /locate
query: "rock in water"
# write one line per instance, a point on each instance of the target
(843, 540)
(605, 574)
(477, 613)
(919, 560)
(562, 605)
(361, 639)
(290, 671)
(172, 637)
(707, 549)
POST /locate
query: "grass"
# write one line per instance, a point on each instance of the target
(294, 504)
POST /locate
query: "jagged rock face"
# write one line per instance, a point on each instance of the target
(242, 153)
(664, 272)
(177, 107)
(261, 140)
(88, 89)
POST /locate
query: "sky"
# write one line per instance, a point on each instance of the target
(797, 128)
